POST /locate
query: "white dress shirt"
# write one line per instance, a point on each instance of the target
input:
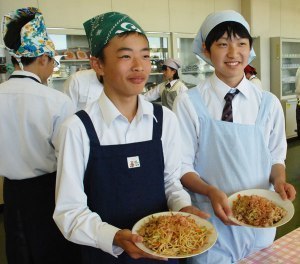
(72, 214)
(31, 114)
(245, 107)
(83, 87)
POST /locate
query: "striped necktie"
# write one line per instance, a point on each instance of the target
(227, 110)
(168, 85)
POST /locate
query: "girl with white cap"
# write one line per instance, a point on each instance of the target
(170, 88)
(241, 149)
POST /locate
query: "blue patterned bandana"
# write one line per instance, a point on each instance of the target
(34, 38)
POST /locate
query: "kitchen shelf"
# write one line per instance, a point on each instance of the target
(77, 61)
(59, 78)
(285, 60)
(156, 73)
(291, 56)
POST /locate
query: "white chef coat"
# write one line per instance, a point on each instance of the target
(72, 215)
(31, 114)
(245, 108)
(156, 92)
(83, 87)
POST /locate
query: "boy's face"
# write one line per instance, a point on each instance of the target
(126, 65)
(229, 57)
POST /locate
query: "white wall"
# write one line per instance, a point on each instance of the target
(155, 15)
(271, 18)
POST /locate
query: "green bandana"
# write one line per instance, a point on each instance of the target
(101, 29)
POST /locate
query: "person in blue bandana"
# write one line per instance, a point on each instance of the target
(230, 146)
(31, 114)
(119, 158)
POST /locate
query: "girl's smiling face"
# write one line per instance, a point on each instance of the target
(229, 56)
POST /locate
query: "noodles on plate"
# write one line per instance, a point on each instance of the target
(173, 235)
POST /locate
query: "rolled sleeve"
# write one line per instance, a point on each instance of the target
(177, 196)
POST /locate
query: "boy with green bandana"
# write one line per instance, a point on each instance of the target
(120, 155)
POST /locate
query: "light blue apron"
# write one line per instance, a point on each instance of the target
(232, 157)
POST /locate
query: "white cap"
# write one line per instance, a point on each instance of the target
(210, 22)
(173, 63)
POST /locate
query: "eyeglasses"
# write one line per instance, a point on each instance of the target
(55, 63)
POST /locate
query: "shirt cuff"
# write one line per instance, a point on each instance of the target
(278, 162)
(105, 241)
(179, 200)
(186, 169)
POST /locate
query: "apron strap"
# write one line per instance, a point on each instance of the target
(264, 109)
(157, 126)
(89, 127)
(197, 101)
(23, 76)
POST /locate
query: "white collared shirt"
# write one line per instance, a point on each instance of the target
(245, 106)
(83, 87)
(31, 114)
(72, 215)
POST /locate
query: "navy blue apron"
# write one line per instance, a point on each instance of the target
(123, 195)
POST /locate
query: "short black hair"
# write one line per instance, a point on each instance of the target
(231, 28)
(12, 38)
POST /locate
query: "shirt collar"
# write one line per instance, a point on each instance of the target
(221, 88)
(110, 112)
(172, 82)
(27, 73)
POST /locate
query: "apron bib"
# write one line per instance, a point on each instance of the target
(124, 183)
(232, 157)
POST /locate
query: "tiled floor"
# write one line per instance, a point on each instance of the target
(293, 174)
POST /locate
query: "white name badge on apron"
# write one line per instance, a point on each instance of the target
(133, 162)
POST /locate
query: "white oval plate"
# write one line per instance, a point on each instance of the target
(270, 195)
(200, 221)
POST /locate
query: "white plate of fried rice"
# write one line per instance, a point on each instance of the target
(259, 208)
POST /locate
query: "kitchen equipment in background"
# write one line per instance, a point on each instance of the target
(73, 69)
